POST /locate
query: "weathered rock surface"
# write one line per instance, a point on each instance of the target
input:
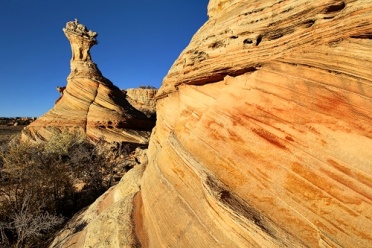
(90, 101)
(108, 221)
(142, 99)
(264, 130)
(263, 133)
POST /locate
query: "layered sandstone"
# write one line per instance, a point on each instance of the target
(263, 133)
(142, 99)
(108, 221)
(264, 130)
(89, 101)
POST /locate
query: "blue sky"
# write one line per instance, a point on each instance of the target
(138, 43)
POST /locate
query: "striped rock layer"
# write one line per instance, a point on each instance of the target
(90, 102)
(264, 130)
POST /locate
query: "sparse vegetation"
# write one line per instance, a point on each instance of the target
(146, 87)
(8, 132)
(43, 184)
(29, 223)
(16, 121)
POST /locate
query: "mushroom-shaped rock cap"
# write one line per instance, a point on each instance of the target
(81, 40)
(79, 29)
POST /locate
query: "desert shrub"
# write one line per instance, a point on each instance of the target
(38, 185)
(30, 169)
(30, 224)
(33, 185)
(62, 140)
(90, 167)
(146, 87)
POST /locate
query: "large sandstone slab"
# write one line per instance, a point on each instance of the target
(263, 135)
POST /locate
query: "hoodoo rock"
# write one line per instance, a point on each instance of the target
(264, 132)
(90, 102)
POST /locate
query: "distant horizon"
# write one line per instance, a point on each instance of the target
(16, 117)
(138, 43)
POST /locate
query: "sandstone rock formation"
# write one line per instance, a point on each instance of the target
(142, 99)
(264, 132)
(90, 101)
(108, 221)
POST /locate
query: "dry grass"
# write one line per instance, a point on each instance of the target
(8, 132)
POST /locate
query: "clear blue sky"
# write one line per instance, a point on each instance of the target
(138, 43)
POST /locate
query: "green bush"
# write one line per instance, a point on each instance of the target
(62, 140)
